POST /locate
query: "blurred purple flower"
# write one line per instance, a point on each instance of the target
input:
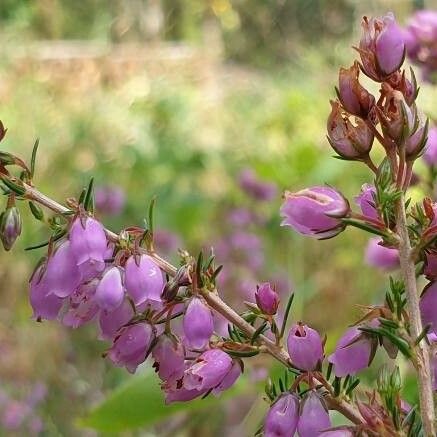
(430, 155)
(384, 258)
(110, 199)
(254, 187)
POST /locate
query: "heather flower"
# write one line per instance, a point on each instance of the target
(89, 246)
(416, 142)
(259, 190)
(366, 201)
(283, 416)
(337, 432)
(166, 241)
(169, 357)
(430, 155)
(198, 323)
(208, 371)
(131, 346)
(45, 305)
(110, 291)
(353, 96)
(349, 140)
(315, 211)
(175, 394)
(304, 347)
(111, 321)
(354, 352)
(10, 227)
(314, 416)
(144, 281)
(428, 306)
(267, 299)
(377, 255)
(230, 378)
(62, 275)
(382, 47)
(109, 199)
(82, 307)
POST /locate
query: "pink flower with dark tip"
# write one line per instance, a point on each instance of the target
(267, 299)
(305, 347)
(316, 211)
(208, 371)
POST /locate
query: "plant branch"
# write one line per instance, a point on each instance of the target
(214, 301)
(421, 350)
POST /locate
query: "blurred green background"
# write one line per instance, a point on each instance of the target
(174, 98)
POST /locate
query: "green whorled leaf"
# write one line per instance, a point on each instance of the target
(36, 211)
(33, 158)
(139, 403)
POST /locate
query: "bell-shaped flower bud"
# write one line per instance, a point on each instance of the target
(354, 352)
(62, 274)
(169, 356)
(110, 322)
(381, 257)
(366, 201)
(315, 211)
(267, 298)
(208, 371)
(428, 306)
(305, 347)
(314, 416)
(382, 47)
(143, 280)
(415, 143)
(89, 245)
(131, 346)
(283, 416)
(350, 141)
(82, 307)
(198, 323)
(353, 96)
(46, 306)
(110, 291)
(430, 154)
(10, 227)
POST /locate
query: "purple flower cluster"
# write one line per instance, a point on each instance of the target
(420, 37)
(309, 416)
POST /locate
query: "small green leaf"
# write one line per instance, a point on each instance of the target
(33, 158)
(88, 202)
(36, 211)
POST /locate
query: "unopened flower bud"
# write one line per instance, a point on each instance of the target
(430, 155)
(314, 416)
(384, 258)
(304, 347)
(348, 140)
(198, 323)
(110, 291)
(416, 143)
(353, 96)
(352, 353)
(267, 299)
(143, 280)
(315, 211)
(131, 347)
(366, 201)
(208, 370)
(382, 47)
(283, 416)
(10, 227)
